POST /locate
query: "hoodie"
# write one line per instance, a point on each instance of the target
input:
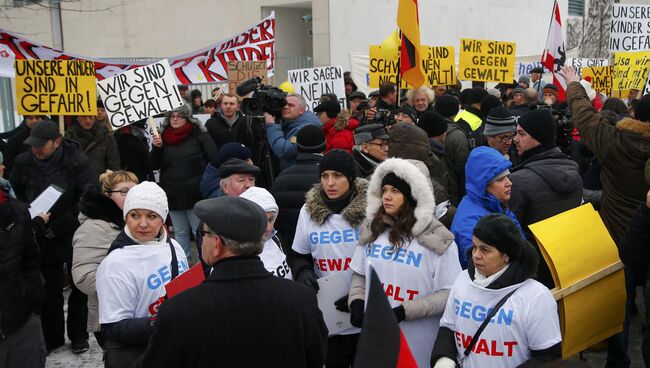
(483, 164)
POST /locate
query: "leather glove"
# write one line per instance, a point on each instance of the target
(309, 279)
(356, 313)
(342, 304)
(400, 313)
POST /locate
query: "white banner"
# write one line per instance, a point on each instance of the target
(139, 93)
(313, 82)
(7, 58)
(629, 28)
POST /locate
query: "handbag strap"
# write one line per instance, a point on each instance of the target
(174, 264)
(485, 323)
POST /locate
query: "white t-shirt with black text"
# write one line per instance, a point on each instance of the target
(527, 321)
(275, 261)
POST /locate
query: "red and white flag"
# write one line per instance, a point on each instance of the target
(554, 54)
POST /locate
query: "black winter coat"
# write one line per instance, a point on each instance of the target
(241, 316)
(181, 168)
(21, 288)
(289, 190)
(72, 173)
(15, 146)
(544, 185)
(222, 133)
(134, 151)
(98, 145)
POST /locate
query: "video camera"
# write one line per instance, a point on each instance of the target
(264, 99)
(384, 117)
(563, 121)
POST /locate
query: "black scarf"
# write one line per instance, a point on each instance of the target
(52, 164)
(337, 205)
(515, 274)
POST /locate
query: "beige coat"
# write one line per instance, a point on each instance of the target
(90, 245)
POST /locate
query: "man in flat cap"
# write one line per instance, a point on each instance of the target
(538, 83)
(370, 148)
(237, 176)
(241, 316)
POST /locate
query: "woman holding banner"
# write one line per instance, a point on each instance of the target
(413, 254)
(510, 318)
(181, 153)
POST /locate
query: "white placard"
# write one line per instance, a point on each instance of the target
(7, 58)
(579, 63)
(629, 28)
(330, 289)
(139, 93)
(314, 82)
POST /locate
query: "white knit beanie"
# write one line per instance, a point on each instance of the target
(147, 196)
(262, 198)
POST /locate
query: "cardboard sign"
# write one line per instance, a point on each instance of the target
(591, 292)
(239, 71)
(438, 65)
(56, 87)
(313, 82)
(487, 61)
(629, 28)
(580, 63)
(601, 78)
(382, 70)
(630, 70)
(139, 93)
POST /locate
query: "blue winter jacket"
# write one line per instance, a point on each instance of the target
(483, 164)
(279, 137)
(209, 184)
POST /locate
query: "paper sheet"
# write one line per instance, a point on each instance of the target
(45, 200)
(331, 288)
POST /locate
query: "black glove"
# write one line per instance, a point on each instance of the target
(356, 313)
(342, 304)
(309, 279)
(400, 313)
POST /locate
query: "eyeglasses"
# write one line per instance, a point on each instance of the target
(504, 139)
(383, 146)
(203, 233)
(123, 192)
(176, 116)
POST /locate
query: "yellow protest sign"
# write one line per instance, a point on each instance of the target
(239, 71)
(487, 61)
(56, 87)
(630, 70)
(438, 65)
(601, 78)
(588, 274)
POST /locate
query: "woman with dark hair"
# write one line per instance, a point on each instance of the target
(197, 101)
(523, 330)
(413, 254)
(181, 153)
(326, 238)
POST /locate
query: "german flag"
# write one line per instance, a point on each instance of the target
(382, 343)
(410, 60)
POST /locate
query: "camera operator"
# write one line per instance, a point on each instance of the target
(387, 100)
(282, 135)
(358, 105)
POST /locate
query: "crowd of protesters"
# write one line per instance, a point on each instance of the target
(435, 188)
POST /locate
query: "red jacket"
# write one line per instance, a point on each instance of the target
(339, 135)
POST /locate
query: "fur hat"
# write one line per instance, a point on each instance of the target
(185, 111)
(420, 186)
(147, 196)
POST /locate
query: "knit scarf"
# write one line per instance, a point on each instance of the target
(174, 137)
(337, 205)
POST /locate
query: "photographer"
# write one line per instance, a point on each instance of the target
(387, 102)
(358, 105)
(282, 136)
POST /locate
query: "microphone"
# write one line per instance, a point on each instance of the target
(248, 86)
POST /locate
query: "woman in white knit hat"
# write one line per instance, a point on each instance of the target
(131, 279)
(274, 259)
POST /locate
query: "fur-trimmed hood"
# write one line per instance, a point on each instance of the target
(93, 204)
(428, 231)
(353, 213)
(634, 126)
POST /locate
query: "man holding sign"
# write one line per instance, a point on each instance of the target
(54, 160)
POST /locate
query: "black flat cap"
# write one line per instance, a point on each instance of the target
(237, 166)
(369, 132)
(538, 69)
(233, 217)
(43, 131)
(357, 94)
